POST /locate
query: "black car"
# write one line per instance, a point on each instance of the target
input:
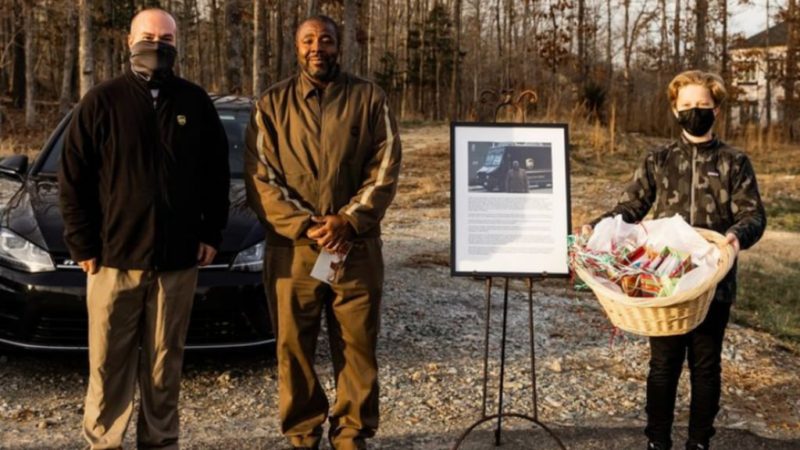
(43, 292)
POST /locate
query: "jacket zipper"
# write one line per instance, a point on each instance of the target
(694, 184)
(321, 172)
(157, 159)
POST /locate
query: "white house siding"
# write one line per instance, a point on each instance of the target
(753, 85)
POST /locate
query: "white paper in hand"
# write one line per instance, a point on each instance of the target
(329, 267)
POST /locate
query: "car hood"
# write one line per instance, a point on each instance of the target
(33, 213)
(488, 169)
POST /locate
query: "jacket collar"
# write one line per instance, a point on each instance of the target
(306, 88)
(141, 82)
(711, 145)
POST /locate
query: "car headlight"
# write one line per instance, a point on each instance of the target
(250, 259)
(19, 253)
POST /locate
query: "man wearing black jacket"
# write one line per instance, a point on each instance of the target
(144, 194)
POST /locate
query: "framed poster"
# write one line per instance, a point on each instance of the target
(510, 204)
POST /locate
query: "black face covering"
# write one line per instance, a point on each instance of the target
(153, 60)
(696, 121)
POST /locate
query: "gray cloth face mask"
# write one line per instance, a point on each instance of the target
(153, 61)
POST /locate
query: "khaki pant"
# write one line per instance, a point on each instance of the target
(129, 309)
(352, 311)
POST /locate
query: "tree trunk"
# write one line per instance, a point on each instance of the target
(107, 39)
(260, 55)
(609, 56)
(18, 77)
(423, 12)
(768, 61)
(626, 73)
(70, 42)
(217, 38)
(234, 60)
(500, 54)
(583, 67)
(790, 77)
(676, 35)
(288, 52)
(406, 62)
(352, 51)
(476, 76)
(455, 81)
(30, 53)
(437, 72)
(700, 60)
(663, 46)
(312, 7)
(725, 69)
(86, 50)
(526, 41)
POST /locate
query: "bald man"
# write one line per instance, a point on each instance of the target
(144, 184)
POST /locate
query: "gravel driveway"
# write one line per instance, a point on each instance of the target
(590, 389)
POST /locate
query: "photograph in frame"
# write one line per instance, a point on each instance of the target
(510, 203)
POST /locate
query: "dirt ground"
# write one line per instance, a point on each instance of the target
(590, 387)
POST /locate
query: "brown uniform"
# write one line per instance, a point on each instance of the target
(313, 152)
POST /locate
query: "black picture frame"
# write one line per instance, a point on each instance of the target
(457, 178)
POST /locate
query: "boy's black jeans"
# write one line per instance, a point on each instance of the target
(702, 347)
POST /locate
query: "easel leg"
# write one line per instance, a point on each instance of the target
(533, 349)
(486, 343)
(499, 430)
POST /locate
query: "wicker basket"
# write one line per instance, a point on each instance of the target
(663, 316)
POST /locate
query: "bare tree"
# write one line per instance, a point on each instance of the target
(406, 62)
(352, 51)
(288, 20)
(676, 36)
(700, 60)
(312, 7)
(631, 34)
(70, 42)
(216, 37)
(260, 55)
(28, 9)
(86, 48)
(791, 103)
(234, 61)
(455, 80)
(18, 44)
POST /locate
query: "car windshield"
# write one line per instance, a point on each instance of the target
(234, 122)
(494, 158)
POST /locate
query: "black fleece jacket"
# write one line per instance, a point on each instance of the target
(142, 185)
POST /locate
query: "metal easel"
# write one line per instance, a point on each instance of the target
(534, 418)
(505, 99)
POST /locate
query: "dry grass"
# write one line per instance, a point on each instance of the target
(16, 138)
(425, 178)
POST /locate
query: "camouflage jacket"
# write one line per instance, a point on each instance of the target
(711, 185)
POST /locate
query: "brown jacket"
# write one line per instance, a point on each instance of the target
(311, 153)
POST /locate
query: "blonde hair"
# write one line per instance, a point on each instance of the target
(709, 80)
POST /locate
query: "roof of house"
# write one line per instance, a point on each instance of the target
(778, 35)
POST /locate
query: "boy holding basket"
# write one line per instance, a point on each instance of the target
(711, 185)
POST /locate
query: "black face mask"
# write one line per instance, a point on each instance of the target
(153, 60)
(696, 121)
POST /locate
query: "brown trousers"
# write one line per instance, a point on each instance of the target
(129, 309)
(352, 312)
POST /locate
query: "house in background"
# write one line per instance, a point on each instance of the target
(752, 72)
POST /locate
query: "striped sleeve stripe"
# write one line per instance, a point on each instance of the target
(387, 157)
(270, 173)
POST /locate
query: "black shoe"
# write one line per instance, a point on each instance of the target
(691, 445)
(654, 445)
